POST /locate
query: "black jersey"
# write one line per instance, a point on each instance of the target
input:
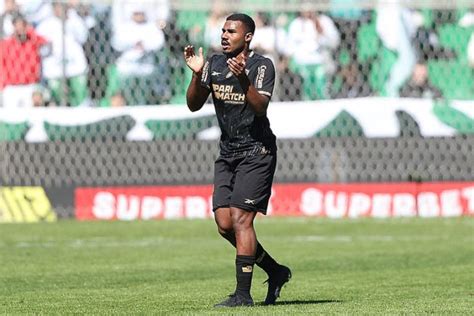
(243, 132)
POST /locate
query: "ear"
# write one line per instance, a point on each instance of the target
(248, 37)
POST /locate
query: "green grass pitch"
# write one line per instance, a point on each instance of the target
(395, 266)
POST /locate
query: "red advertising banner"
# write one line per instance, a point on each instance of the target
(382, 200)
(153, 202)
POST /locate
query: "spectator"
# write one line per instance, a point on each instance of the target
(100, 54)
(270, 41)
(69, 64)
(348, 15)
(117, 100)
(41, 98)
(419, 85)
(395, 28)
(138, 65)
(20, 61)
(354, 82)
(427, 47)
(83, 10)
(264, 39)
(289, 84)
(158, 12)
(312, 39)
(8, 8)
(213, 27)
(35, 10)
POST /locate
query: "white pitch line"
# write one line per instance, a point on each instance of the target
(98, 243)
(381, 238)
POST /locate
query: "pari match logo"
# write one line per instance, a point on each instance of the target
(226, 93)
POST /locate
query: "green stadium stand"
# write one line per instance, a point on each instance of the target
(77, 87)
(371, 50)
(368, 43)
(314, 80)
(192, 23)
(13, 131)
(113, 85)
(180, 129)
(343, 125)
(456, 37)
(454, 118)
(409, 127)
(454, 78)
(114, 128)
(180, 79)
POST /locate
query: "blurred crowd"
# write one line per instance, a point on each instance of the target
(129, 52)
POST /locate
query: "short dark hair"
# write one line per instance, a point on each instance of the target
(245, 19)
(17, 16)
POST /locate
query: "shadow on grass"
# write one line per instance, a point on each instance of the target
(304, 302)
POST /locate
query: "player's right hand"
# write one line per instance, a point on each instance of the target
(194, 62)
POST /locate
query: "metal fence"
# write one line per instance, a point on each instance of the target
(123, 52)
(327, 160)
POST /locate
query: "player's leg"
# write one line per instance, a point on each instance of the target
(252, 190)
(244, 263)
(278, 274)
(246, 244)
(224, 226)
(223, 186)
(224, 182)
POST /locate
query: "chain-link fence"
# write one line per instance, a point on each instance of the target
(328, 160)
(93, 93)
(124, 52)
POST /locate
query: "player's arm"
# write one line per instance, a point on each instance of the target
(257, 101)
(196, 95)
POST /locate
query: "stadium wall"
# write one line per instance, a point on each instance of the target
(346, 149)
(415, 159)
(171, 179)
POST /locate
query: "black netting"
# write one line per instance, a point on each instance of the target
(104, 163)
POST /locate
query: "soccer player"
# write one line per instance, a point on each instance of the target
(241, 83)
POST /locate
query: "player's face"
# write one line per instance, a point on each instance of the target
(234, 38)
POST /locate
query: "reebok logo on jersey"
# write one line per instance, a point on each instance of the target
(249, 201)
(247, 269)
(215, 73)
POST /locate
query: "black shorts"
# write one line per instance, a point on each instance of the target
(244, 182)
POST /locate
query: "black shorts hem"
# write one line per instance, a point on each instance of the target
(214, 209)
(249, 208)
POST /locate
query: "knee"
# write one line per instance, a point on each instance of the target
(225, 228)
(241, 226)
(242, 221)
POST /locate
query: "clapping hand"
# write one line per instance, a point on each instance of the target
(237, 64)
(194, 62)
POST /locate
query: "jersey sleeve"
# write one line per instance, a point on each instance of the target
(206, 78)
(265, 78)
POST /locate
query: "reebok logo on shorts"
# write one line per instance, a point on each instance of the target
(249, 201)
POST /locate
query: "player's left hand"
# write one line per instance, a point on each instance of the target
(237, 65)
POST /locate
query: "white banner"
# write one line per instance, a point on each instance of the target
(376, 116)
